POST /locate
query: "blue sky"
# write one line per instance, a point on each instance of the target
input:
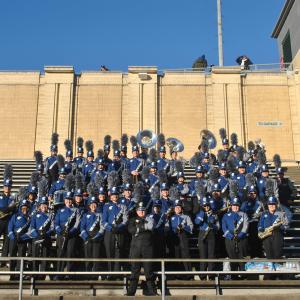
(119, 33)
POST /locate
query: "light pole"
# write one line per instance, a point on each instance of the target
(220, 34)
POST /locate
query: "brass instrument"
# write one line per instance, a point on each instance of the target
(146, 138)
(175, 144)
(224, 209)
(269, 230)
(209, 138)
(10, 209)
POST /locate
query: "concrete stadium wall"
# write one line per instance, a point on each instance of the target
(19, 94)
(179, 104)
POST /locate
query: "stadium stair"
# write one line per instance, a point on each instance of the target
(22, 170)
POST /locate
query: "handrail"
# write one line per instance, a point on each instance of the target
(162, 261)
(279, 260)
(252, 68)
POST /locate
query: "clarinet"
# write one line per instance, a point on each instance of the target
(207, 230)
(235, 234)
(135, 177)
(45, 227)
(256, 214)
(153, 185)
(117, 221)
(95, 225)
(163, 216)
(181, 226)
(68, 224)
(166, 165)
(160, 221)
(118, 217)
(139, 166)
(22, 229)
(66, 232)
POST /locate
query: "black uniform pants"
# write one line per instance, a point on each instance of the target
(66, 248)
(114, 248)
(16, 248)
(255, 244)
(207, 249)
(41, 250)
(139, 249)
(159, 249)
(3, 231)
(92, 250)
(236, 250)
(273, 245)
(180, 243)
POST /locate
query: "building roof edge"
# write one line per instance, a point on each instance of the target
(282, 18)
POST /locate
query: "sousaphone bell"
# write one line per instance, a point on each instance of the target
(146, 138)
(208, 137)
(175, 145)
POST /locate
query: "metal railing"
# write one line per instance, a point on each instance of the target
(275, 67)
(162, 273)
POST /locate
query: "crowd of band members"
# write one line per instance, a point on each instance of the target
(128, 220)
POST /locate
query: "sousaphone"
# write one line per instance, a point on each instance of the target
(175, 145)
(146, 138)
(208, 137)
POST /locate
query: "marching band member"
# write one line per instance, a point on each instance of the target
(7, 207)
(66, 223)
(135, 164)
(253, 208)
(199, 172)
(91, 231)
(235, 228)
(141, 227)
(271, 227)
(180, 227)
(208, 224)
(162, 162)
(17, 233)
(41, 229)
(79, 160)
(51, 166)
(114, 221)
(89, 167)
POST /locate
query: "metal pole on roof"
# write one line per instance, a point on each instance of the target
(220, 33)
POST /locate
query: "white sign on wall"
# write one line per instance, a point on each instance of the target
(269, 123)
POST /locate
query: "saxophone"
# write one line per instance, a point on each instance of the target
(269, 230)
(9, 209)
